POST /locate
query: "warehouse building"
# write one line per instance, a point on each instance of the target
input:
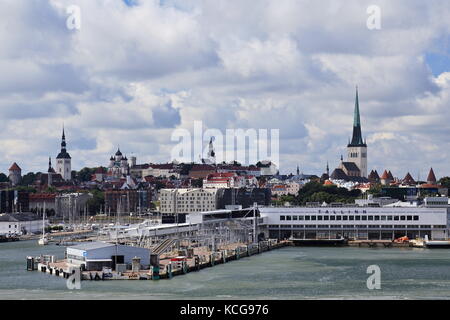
(93, 256)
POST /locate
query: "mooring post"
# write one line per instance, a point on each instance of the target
(155, 272)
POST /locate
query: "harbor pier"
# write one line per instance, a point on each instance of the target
(167, 265)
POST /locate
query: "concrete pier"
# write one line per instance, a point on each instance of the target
(170, 264)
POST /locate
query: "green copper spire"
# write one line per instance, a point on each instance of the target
(356, 117)
(357, 140)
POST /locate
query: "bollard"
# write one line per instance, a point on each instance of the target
(185, 267)
(236, 253)
(224, 256)
(169, 271)
(197, 262)
(211, 259)
(155, 272)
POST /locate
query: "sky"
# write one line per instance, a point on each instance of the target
(136, 70)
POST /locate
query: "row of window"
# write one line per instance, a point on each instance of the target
(313, 226)
(349, 218)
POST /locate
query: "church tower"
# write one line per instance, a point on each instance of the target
(211, 153)
(64, 161)
(357, 148)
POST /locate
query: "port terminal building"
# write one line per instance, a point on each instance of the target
(362, 223)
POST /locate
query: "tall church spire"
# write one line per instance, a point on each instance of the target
(63, 141)
(357, 140)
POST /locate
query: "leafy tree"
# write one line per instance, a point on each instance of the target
(316, 192)
(197, 183)
(3, 178)
(50, 189)
(96, 202)
(375, 190)
(85, 174)
(28, 179)
(445, 182)
(26, 188)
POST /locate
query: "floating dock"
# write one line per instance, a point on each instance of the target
(379, 244)
(320, 242)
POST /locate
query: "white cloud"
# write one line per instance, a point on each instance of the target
(132, 74)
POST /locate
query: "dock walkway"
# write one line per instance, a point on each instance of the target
(170, 264)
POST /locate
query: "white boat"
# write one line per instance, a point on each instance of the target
(43, 241)
(437, 243)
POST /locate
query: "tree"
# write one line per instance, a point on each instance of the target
(445, 182)
(316, 192)
(3, 178)
(375, 190)
(197, 183)
(28, 179)
(85, 174)
(96, 202)
(26, 189)
(50, 189)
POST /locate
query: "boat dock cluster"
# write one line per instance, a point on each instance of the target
(165, 266)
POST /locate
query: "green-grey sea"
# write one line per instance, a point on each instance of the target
(287, 273)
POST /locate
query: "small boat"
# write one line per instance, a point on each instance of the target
(432, 244)
(319, 242)
(43, 241)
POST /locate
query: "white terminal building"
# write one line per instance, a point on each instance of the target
(382, 223)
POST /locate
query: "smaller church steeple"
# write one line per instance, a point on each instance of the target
(63, 159)
(298, 170)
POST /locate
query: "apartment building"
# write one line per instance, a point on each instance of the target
(187, 200)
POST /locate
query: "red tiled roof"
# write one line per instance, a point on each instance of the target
(42, 196)
(390, 175)
(15, 167)
(408, 179)
(202, 167)
(430, 185)
(431, 177)
(385, 175)
(221, 175)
